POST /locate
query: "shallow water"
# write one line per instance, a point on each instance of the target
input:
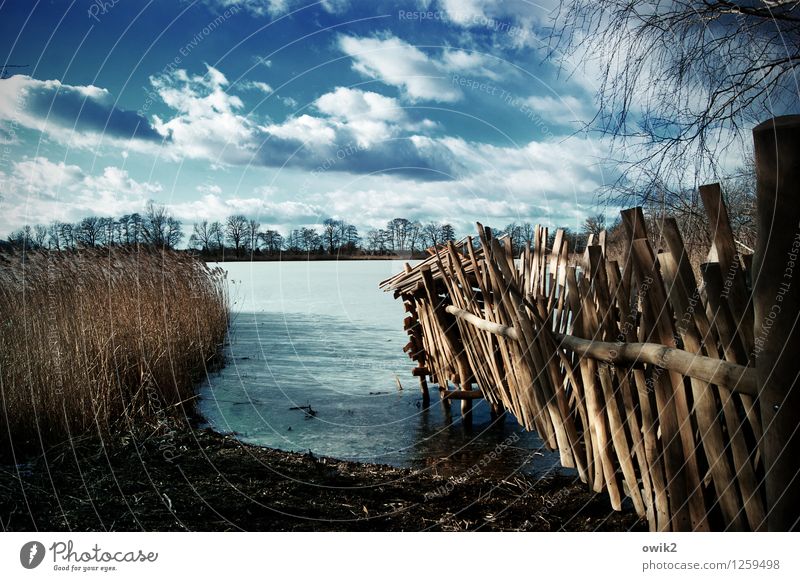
(322, 334)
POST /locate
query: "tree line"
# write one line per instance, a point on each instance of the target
(238, 236)
(155, 227)
(241, 236)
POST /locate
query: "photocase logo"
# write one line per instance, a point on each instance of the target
(31, 554)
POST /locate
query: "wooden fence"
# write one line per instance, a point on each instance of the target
(641, 377)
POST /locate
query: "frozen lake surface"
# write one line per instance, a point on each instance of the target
(323, 334)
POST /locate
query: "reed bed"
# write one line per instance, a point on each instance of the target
(101, 341)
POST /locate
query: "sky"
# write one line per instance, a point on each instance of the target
(291, 112)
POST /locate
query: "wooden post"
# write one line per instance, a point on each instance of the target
(423, 386)
(776, 290)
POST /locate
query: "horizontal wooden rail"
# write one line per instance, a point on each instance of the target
(735, 377)
(483, 324)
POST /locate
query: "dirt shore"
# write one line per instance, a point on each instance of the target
(199, 480)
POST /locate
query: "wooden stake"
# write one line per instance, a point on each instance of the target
(776, 277)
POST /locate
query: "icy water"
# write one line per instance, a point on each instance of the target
(322, 334)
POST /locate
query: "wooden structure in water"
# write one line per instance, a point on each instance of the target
(653, 384)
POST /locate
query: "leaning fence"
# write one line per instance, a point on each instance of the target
(641, 372)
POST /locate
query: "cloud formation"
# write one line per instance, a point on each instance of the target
(274, 8)
(419, 76)
(39, 190)
(78, 115)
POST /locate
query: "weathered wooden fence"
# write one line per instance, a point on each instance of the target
(642, 377)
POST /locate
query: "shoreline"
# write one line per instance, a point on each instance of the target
(194, 479)
(304, 258)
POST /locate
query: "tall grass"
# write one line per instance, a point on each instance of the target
(97, 341)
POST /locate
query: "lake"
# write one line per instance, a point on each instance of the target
(321, 334)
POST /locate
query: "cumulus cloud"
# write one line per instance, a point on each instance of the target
(562, 109)
(73, 114)
(213, 206)
(497, 14)
(546, 182)
(37, 189)
(370, 116)
(207, 122)
(211, 123)
(418, 75)
(256, 86)
(275, 8)
(256, 7)
(346, 130)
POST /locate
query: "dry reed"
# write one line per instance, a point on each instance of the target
(100, 341)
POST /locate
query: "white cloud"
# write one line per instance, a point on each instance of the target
(371, 117)
(355, 104)
(463, 12)
(560, 110)
(212, 206)
(348, 131)
(256, 7)
(546, 182)
(512, 23)
(275, 8)
(208, 124)
(256, 85)
(79, 116)
(418, 75)
(335, 6)
(304, 129)
(209, 189)
(38, 190)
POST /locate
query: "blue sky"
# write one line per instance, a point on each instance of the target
(291, 112)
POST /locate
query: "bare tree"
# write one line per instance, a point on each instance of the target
(236, 232)
(159, 228)
(351, 239)
(331, 234)
(681, 81)
(39, 235)
(514, 232)
(310, 240)
(398, 230)
(272, 241)
(174, 234)
(448, 233)
(154, 224)
(88, 231)
(253, 238)
(527, 233)
(414, 236)
(432, 234)
(61, 236)
(377, 240)
(23, 238)
(204, 235)
(594, 225)
(218, 236)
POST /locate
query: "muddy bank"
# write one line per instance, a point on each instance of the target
(198, 480)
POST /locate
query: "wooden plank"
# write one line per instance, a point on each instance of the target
(724, 246)
(746, 480)
(777, 143)
(705, 408)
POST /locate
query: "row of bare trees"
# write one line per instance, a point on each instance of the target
(239, 236)
(403, 236)
(155, 227)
